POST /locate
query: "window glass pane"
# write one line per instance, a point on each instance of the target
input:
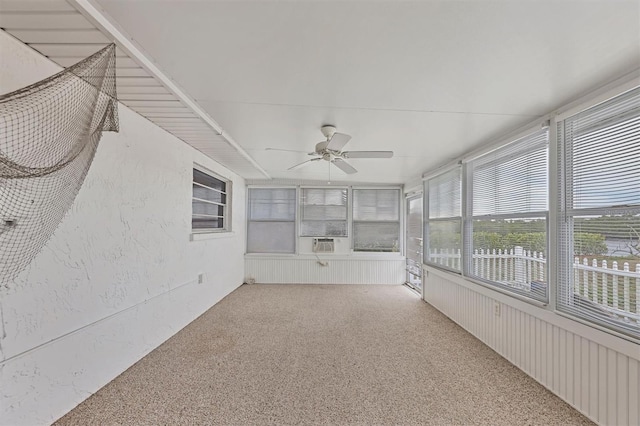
(201, 208)
(596, 171)
(323, 204)
(445, 242)
(606, 267)
(272, 204)
(376, 204)
(271, 237)
(445, 195)
(376, 236)
(512, 185)
(323, 228)
(443, 220)
(206, 223)
(512, 253)
(324, 212)
(210, 181)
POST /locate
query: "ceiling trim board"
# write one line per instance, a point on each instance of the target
(44, 21)
(40, 6)
(142, 90)
(67, 61)
(74, 50)
(133, 104)
(58, 36)
(146, 96)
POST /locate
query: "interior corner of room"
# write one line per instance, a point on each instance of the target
(269, 178)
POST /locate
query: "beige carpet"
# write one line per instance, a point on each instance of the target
(323, 354)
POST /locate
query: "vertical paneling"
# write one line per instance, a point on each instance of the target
(634, 392)
(339, 271)
(600, 382)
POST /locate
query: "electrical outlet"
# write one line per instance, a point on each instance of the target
(200, 278)
(496, 309)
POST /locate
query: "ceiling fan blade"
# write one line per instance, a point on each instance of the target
(338, 141)
(344, 166)
(285, 150)
(367, 154)
(304, 163)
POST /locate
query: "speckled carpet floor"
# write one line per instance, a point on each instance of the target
(323, 354)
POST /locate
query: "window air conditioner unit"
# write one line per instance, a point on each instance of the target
(323, 245)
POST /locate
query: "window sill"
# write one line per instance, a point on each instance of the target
(200, 236)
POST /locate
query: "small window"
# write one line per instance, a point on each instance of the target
(271, 224)
(209, 203)
(323, 212)
(376, 220)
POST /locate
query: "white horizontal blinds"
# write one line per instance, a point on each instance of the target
(209, 200)
(599, 272)
(445, 195)
(323, 212)
(376, 204)
(376, 220)
(512, 180)
(508, 202)
(271, 220)
(443, 220)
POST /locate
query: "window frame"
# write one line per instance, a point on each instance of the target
(226, 212)
(469, 217)
(301, 206)
(427, 219)
(399, 221)
(294, 220)
(566, 213)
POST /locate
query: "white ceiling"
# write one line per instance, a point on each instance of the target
(430, 80)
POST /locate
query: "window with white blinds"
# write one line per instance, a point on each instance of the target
(506, 224)
(599, 207)
(443, 220)
(323, 212)
(376, 220)
(209, 203)
(271, 224)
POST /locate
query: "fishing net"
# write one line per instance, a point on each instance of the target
(49, 133)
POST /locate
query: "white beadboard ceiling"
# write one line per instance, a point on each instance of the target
(59, 31)
(430, 80)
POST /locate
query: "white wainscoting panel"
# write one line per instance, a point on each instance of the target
(601, 382)
(342, 270)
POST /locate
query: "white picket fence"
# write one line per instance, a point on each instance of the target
(613, 289)
(617, 291)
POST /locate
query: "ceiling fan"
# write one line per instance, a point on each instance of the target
(331, 150)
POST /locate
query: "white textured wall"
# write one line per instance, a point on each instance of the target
(119, 276)
(595, 372)
(304, 269)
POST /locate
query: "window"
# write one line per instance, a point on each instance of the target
(271, 220)
(376, 220)
(506, 224)
(323, 212)
(443, 220)
(209, 203)
(599, 210)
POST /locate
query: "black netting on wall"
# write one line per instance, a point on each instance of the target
(49, 132)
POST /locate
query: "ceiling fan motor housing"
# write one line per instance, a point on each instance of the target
(328, 131)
